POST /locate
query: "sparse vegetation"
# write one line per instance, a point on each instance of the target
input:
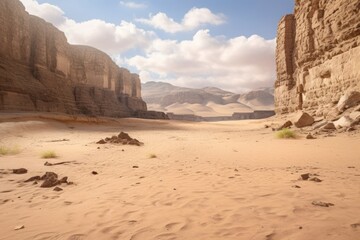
(49, 154)
(286, 134)
(152, 155)
(9, 150)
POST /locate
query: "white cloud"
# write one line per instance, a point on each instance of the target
(235, 64)
(193, 19)
(108, 37)
(133, 5)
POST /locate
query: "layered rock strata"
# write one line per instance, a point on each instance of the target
(317, 55)
(40, 71)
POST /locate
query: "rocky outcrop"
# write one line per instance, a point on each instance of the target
(317, 55)
(40, 71)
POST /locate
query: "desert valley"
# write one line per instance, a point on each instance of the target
(87, 151)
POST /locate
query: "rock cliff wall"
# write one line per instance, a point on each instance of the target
(40, 71)
(317, 55)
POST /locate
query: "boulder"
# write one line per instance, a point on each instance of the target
(287, 124)
(350, 99)
(303, 119)
(20, 171)
(343, 122)
(329, 126)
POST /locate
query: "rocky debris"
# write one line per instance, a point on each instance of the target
(355, 115)
(94, 173)
(296, 186)
(322, 204)
(287, 124)
(20, 171)
(310, 177)
(303, 119)
(50, 180)
(319, 124)
(310, 136)
(350, 99)
(123, 138)
(328, 126)
(135, 167)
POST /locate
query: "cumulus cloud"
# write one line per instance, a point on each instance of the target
(236, 64)
(193, 19)
(133, 5)
(108, 37)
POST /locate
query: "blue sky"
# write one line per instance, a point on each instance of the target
(228, 44)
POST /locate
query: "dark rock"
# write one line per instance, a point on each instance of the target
(125, 136)
(287, 124)
(296, 186)
(135, 166)
(329, 126)
(63, 180)
(35, 178)
(57, 189)
(322, 204)
(48, 175)
(102, 141)
(309, 136)
(94, 173)
(355, 225)
(20, 171)
(50, 180)
(303, 119)
(305, 176)
(315, 179)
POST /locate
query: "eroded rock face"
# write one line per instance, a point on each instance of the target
(318, 55)
(40, 71)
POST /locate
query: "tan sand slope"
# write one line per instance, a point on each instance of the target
(229, 180)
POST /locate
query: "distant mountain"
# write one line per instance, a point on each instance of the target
(205, 102)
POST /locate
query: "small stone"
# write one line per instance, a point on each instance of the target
(57, 189)
(322, 204)
(98, 147)
(355, 225)
(19, 227)
(350, 129)
(315, 179)
(135, 167)
(20, 171)
(296, 186)
(94, 173)
(305, 176)
(309, 136)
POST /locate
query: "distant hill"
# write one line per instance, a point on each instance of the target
(205, 102)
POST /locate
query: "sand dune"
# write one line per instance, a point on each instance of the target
(227, 180)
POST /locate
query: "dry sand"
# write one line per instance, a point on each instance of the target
(229, 180)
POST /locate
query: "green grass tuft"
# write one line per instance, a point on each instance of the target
(286, 134)
(152, 155)
(49, 154)
(9, 150)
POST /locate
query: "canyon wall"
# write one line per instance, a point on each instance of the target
(40, 71)
(317, 55)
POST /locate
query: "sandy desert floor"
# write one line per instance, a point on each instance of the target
(228, 180)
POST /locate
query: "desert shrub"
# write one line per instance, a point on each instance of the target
(285, 134)
(49, 154)
(9, 150)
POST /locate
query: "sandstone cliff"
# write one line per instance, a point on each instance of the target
(317, 55)
(40, 71)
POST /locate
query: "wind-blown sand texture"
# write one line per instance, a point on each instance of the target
(229, 180)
